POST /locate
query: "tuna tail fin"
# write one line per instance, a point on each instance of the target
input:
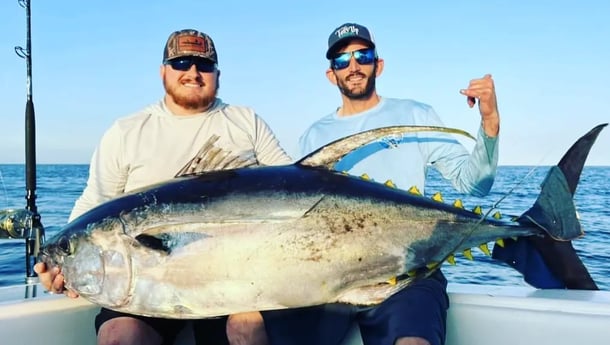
(554, 210)
(572, 162)
(544, 262)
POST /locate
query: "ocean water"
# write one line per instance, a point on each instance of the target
(58, 186)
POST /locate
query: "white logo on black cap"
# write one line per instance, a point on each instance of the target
(347, 30)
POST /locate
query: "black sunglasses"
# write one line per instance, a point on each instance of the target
(364, 56)
(184, 64)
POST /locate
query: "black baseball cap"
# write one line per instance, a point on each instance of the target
(348, 31)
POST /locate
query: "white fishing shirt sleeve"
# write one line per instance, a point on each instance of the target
(152, 145)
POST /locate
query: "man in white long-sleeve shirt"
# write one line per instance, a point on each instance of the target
(153, 145)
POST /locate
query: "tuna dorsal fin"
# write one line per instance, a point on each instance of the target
(328, 155)
(210, 158)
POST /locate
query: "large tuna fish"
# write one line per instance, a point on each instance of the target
(263, 238)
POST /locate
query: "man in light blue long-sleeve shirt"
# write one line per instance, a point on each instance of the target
(405, 160)
(417, 314)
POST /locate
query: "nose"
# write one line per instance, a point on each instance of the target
(192, 73)
(353, 66)
(193, 69)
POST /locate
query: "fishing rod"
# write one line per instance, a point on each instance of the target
(25, 223)
(35, 236)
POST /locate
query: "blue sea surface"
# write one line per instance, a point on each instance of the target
(514, 191)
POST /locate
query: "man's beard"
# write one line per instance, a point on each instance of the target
(362, 94)
(191, 102)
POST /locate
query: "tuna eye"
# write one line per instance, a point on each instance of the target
(64, 245)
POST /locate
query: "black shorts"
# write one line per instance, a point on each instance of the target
(206, 331)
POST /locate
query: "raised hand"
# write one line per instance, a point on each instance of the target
(483, 89)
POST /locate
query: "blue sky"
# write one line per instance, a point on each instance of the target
(94, 61)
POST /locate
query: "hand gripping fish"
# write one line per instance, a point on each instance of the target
(273, 237)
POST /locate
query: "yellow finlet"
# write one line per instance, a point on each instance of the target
(437, 197)
(478, 210)
(432, 265)
(485, 249)
(468, 254)
(412, 273)
(365, 176)
(458, 204)
(500, 242)
(451, 260)
(497, 215)
(393, 281)
(414, 190)
(390, 184)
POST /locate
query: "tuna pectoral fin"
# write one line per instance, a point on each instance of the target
(154, 243)
(554, 209)
(168, 242)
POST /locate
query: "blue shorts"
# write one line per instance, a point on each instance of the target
(419, 310)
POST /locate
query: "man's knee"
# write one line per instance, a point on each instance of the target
(127, 331)
(246, 328)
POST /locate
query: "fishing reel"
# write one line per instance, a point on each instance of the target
(15, 224)
(24, 224)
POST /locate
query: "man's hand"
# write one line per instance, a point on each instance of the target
(52, 279)
(483, 89)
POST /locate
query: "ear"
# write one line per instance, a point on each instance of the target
(380, 64)
(217, 79)
(332, 77)
(162, 71)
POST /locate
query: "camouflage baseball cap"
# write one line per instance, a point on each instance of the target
(189, 42)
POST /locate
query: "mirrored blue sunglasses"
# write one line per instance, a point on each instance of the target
(364, 56)
(184, 64)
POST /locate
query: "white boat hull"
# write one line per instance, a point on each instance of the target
(478, 314)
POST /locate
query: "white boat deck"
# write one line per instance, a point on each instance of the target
(479, 314)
